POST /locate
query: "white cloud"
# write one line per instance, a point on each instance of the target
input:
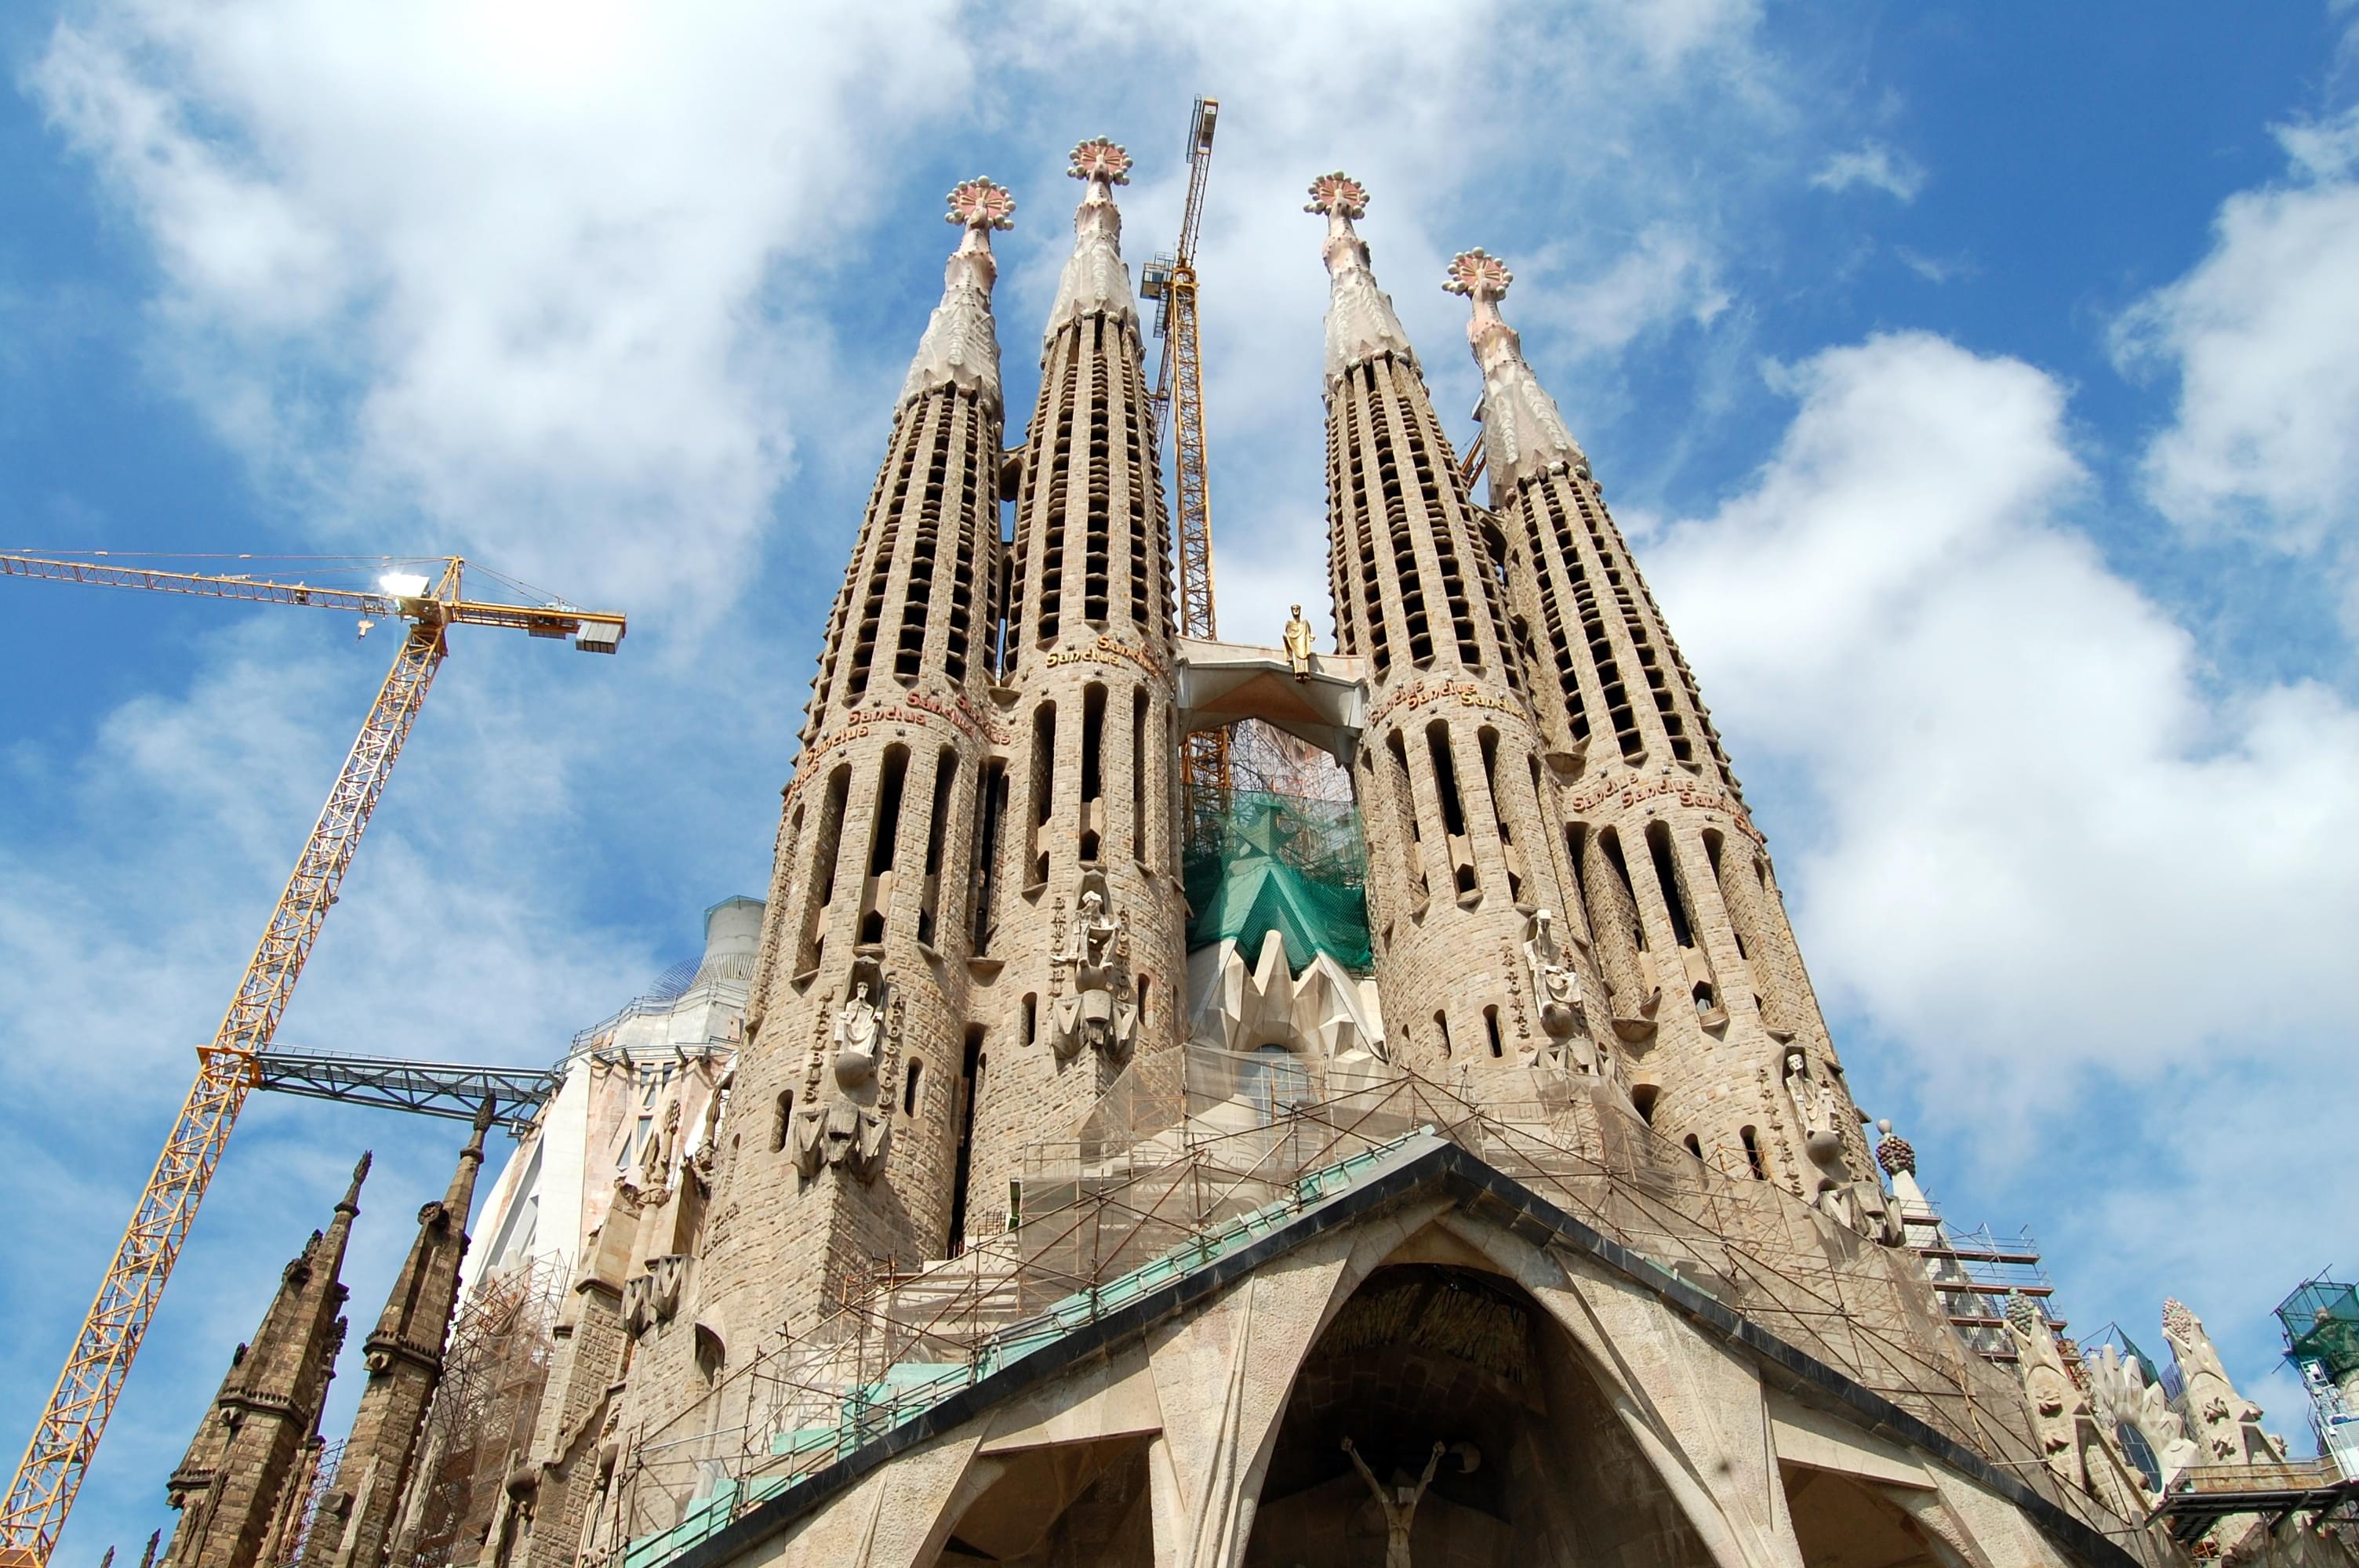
(1876, 166)
(2263, 336)
(516, 267)
(2048, 846)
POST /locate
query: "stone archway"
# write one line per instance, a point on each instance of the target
(1537, 1471)
(1840, 1523)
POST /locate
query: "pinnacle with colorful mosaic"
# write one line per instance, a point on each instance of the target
(1338, 195)
(1478, 275)
(1101, 158)
(982, 203)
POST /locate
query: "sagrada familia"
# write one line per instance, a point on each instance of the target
(1091, 1173)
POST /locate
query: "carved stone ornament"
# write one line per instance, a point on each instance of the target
(844, 1124)
(2058, 1406)
(1360, 323)
(1094, 282)
(960, 348)
(1098, 1011)
(1524, 433)
(1555, 983)
(654, 1297)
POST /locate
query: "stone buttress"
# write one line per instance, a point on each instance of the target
(1084, 933)
(1704, 986)
(230, 1486)
(1462, 850)
(404, 1356)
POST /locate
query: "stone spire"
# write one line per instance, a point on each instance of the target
(229, 1485)
(403, 1366)
(1085, 840)
(404, 1356)
(1360, 325)
(1462, 836)
(961, 348)
(1523, 433)
(1095, 282)
(1702, 981)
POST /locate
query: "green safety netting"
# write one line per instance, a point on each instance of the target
(2321, 1323)
(1257, 863)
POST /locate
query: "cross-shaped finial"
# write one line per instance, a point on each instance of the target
(1101, 158)
(1338, 195)
(982, 203)
(1478, 275)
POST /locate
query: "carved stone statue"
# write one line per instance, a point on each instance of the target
(2058, 1406)
(1297, 644)
(1097, 1012)
(1398, 1503)
(2230, 1423)
(1814, 1112)
(1556, 984)
(655, 1160)
(846, 1126)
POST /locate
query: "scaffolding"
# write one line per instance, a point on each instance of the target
(1976, 1274)
(1198, 1153)
(480, 1424)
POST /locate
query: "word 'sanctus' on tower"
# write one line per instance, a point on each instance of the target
(1084, 929)
(1705, 988)
(1465, 894)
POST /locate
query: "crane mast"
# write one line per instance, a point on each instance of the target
(1171, 282)
(67, 1434)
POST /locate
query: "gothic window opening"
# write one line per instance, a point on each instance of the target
(962, 1161)
(782, 1121)
(917, 594)
(1059, 426)
(1491, 1029)
(1099, 568)
(812, 942)
(1609, 843)
(1667, 873)
(1753, 1160)
(1145, 999)
(938, 830)
(1454, 808)
(884, 833)
(1736, 923)
(1140, 498)
(976, 481)
(991, 817)
(884, 520)
(1441, 1027)
(1488, 739)
(1032, 1018)
(910, 1086)
(1043, 784)
(1695, 1147)
(1138, 765)
(1642, 1101)
(1405, 807)
(1093, 808)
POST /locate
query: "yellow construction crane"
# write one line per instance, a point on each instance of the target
(1170, 282)
(428, 604)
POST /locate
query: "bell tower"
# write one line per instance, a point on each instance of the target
(1086, 927)
(843, 1134)
(1704, 986)
(1463, 850)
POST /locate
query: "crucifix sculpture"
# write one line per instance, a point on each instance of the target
(1400, 1503)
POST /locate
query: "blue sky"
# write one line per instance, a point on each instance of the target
(1983, 383)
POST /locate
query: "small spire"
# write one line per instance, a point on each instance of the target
(483, 1117)
(961, 348)
(351, 1204)
(1524, 433)
(1360, 325)
(1095, 282)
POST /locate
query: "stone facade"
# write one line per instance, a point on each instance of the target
(971, 1014)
